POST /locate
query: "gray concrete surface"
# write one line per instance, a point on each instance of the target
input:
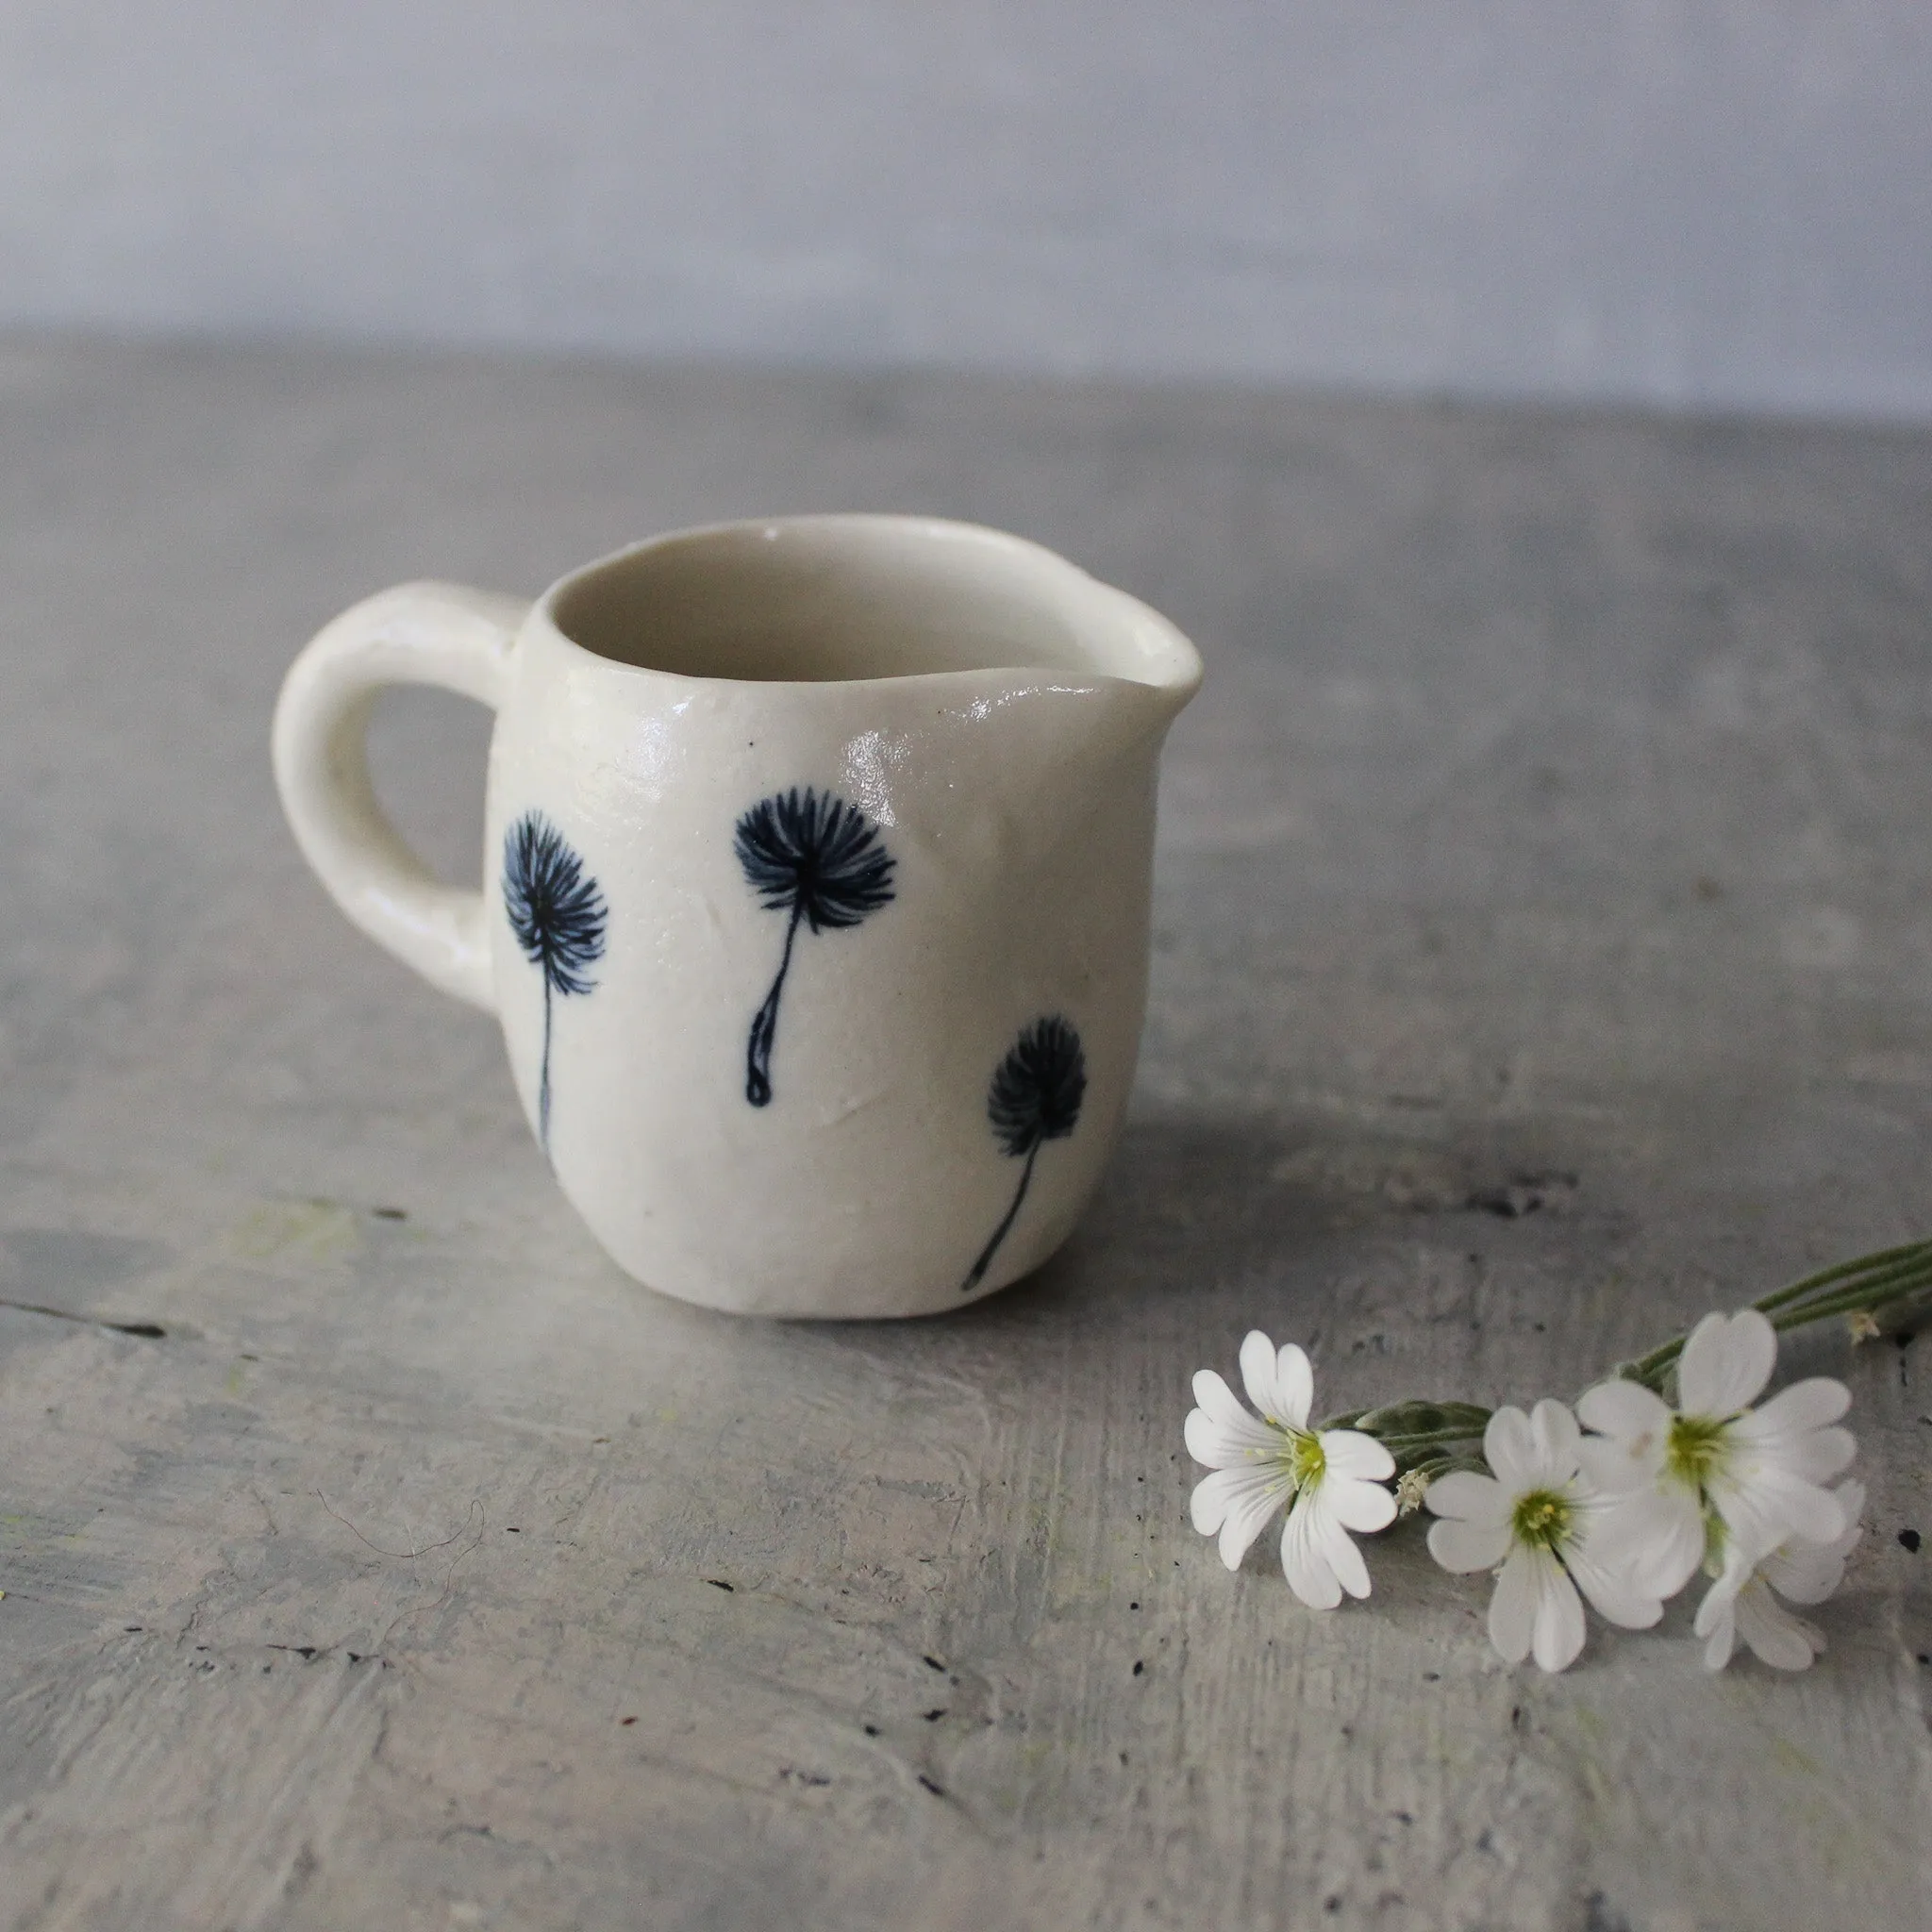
(1710, 203)
(1555, 806)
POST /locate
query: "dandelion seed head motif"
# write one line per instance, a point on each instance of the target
(820, 860)
(1035, 1097)
(557, 913)
(1037, 1090)
(555, 908)
(815, 856)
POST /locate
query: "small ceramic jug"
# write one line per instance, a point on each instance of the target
(817, 856)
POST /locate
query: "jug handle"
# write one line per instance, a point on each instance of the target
(444, 635)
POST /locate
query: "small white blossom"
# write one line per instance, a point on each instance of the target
(1332, 1480)
(1863, 1325)
(1762, 1472)
(1536, 1522)
(1741, 1604)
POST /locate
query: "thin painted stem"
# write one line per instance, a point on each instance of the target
(544, 1078)
(764, 1025)
(999, 1234)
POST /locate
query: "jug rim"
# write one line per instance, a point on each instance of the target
(1168, 665)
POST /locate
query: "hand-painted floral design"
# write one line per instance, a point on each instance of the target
(557, 914)
(1035, 1097)
(821, 862)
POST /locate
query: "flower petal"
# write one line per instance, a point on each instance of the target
(1218, 1446)
(1792, 1429)
(1222, 1405)
(1305, 1562)
(1349, 1453)
(1222, 1489)
(1808, 1573)
(1557, 1437)
(1784, 1641)
(1624, 1409)
(1510, 1448)
(1512, 1608)
(1466, 1545)
(1614, 1593)
(1805, 1405)
(1851, 1498)
(1725, 1362)
(1281, 1385)
(1804, 1572)
(1221, 1431)
(1208, 1502)
(1237, 1503)
(1345, 1558)
(1559, 1617)
(1471, 1497)
(1763, 1503)
(1362, 1507)
(1621, 1465)
(1717, 1623)
(1652, 1539)
(1823, 1453)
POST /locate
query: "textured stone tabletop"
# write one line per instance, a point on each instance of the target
(1543, 955)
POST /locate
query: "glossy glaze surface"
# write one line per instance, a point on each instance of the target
(957, 855)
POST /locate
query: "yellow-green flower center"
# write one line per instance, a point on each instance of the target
(1307, 1461)
(1541, 1519)
(1695, 1448)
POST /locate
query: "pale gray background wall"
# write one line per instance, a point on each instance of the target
(1683, 202)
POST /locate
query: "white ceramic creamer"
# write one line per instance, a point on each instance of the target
(816, 888)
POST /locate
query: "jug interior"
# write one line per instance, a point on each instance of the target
(822, 598)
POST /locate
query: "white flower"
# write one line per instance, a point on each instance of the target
(1331, 1480)
(1740, 1603)
(1535, 1523)
(1762, 1472)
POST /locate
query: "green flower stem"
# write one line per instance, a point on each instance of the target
(1851, 1301)
(1435, 1439)
(1870, 1282)
(1885, 1257)
(1882, 1285)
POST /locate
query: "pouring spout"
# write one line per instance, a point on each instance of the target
(1140, 647)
